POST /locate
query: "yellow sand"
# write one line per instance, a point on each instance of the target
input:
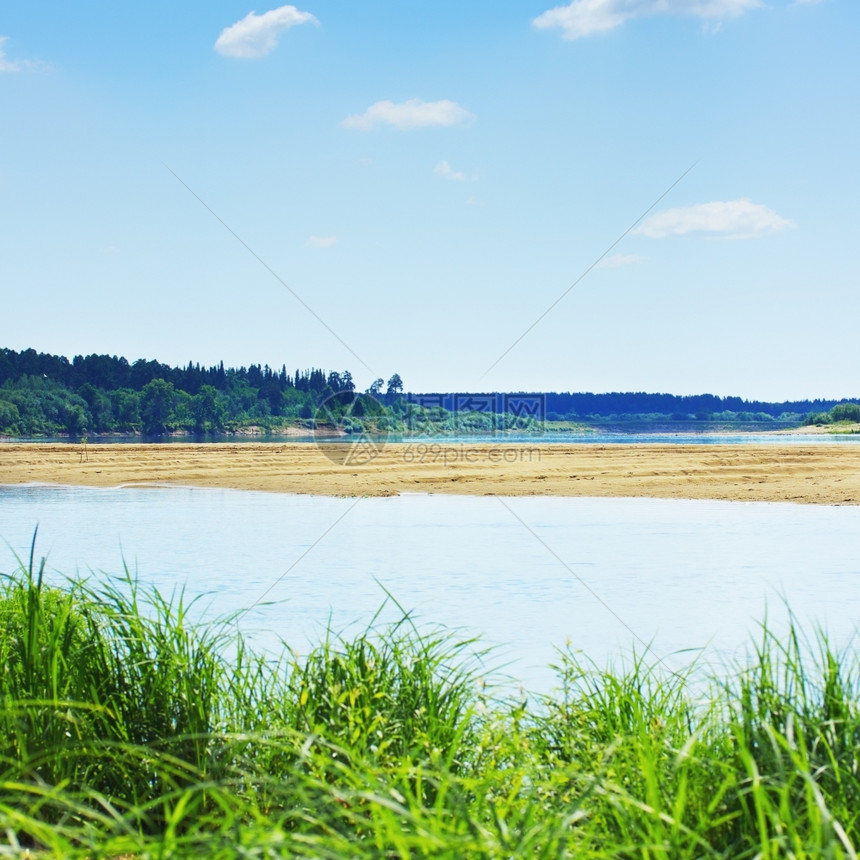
(816, 473)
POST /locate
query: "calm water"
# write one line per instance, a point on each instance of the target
(526, 574)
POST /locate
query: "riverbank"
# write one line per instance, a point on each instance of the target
(808, 474)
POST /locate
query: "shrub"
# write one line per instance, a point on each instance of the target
(845, 412)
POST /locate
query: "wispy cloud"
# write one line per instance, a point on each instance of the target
(733, 219)
(616, 261)
(444, 169)
(7, 65)
(257, 35)
(410, 114)
(588, 17)
(320, 243)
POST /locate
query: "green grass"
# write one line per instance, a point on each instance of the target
(127, 732)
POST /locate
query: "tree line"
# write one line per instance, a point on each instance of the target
(620, 406)
(43, 394)
(840, 412)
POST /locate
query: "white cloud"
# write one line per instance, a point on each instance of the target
(7, 65)
(413, 113)
(733, 219)
(618, 260)
(257, 35)
(444, 169)
(587, 17)
(320, 243)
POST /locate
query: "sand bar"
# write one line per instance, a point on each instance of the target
(810, 474)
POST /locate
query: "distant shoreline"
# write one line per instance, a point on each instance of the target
(800, 473)
(262, 434)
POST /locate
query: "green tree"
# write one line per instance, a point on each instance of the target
(270, 392)
(157, 400)
(180, 416)
(99, 406)
(208, 410)
(845, 412)
(9, 417)
(293, 400)
(126, 409)
(74, 419)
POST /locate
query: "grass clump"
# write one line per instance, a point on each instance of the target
(128, 731)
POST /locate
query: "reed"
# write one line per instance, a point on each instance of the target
(128, 732)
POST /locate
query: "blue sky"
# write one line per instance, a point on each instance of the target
(427, 179)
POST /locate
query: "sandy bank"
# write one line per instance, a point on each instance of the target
(822, 474)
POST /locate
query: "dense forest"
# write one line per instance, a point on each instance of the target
(45, 395)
